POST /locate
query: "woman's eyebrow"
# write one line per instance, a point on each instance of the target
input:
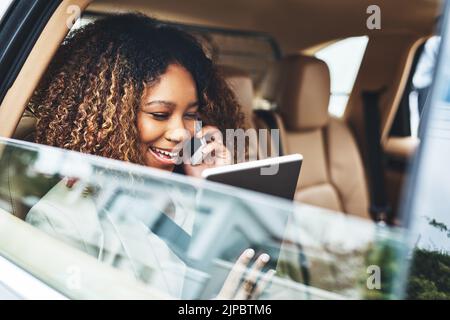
(169, 104)
(165, 103)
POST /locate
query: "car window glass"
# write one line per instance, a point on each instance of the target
(343, 58)
(426, 205)
(181, 236)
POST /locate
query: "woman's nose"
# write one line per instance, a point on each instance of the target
(176, 132)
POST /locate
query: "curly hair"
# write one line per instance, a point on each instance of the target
(88, 100)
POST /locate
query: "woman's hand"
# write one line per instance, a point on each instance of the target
(253, 285)
(214, 153)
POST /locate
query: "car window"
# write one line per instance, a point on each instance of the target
(426, 205)
(343, 58)
(422, 77)
(177, 235)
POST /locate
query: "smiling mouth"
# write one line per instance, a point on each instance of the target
(164, 156)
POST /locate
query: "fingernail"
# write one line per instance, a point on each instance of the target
(265, 257)
(250, 253)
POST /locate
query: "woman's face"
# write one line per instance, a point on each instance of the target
(168, 113)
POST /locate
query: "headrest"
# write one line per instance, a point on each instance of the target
(26, 128)
(242, 86)
(300, 86)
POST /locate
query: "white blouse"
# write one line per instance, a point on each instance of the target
(122, 241)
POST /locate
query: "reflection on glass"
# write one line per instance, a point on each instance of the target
(182, 236)
(427, 200)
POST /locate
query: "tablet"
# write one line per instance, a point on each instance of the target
(276, 176)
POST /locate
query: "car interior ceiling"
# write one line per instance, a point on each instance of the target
(337, 179)
(296, 25)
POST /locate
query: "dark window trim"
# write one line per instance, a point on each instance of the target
(19, 30)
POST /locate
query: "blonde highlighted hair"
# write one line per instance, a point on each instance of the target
(89, 98)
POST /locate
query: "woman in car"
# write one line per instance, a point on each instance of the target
(130, 88)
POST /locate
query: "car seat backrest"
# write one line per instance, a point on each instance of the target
(332, 175)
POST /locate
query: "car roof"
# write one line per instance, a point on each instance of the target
(295, 24)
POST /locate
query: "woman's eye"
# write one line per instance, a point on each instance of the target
(159, 115)
(191, 115)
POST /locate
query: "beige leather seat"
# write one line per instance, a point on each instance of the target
(25, 128)
(242, 86)
(332, 175)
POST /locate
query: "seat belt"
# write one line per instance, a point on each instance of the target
(379, 207)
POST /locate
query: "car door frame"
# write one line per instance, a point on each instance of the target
(19, 30)
(31, 34)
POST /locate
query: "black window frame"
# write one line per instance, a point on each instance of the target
(20, 28)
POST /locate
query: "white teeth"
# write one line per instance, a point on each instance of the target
(169, 154)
